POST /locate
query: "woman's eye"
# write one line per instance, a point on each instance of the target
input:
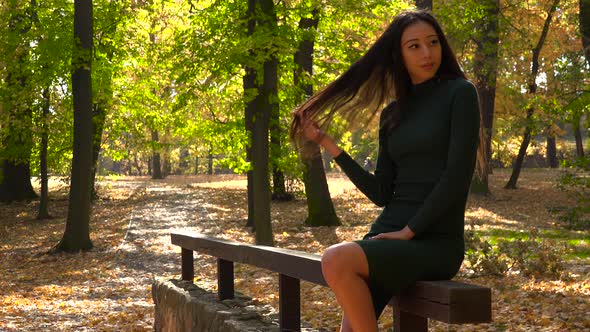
(434, 42)
(414, 46)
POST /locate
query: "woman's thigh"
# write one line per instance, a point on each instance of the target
(396, 263)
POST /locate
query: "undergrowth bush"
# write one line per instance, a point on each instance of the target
(532, 256)
(575, 181)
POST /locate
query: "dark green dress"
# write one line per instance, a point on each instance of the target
(422, 177)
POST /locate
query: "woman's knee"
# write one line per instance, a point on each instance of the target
(343, 258)
(332, 261)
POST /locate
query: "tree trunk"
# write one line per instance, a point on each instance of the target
(279, 192)
(149, 164)
(16, 182)
(260, 138)
(579, 139)
(517, 166)
(103, 101)
(210, 162)
(43, 212)
(99, 115)
(196, 165)
(183, 165)
(585, 32)
(320, 208)
(166, 164)
(77, 234)
(249, 83)
(551, 155)
(585, 27)
(486, 66)
(129, 163)
(166, 167)
(15, 153)
(136, 163)
(327, 159)
(532, 90)
(424, 4)
(156, 167)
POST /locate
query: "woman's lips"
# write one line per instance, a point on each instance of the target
(427, 66)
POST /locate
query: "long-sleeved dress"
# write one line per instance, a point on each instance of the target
(422, 178)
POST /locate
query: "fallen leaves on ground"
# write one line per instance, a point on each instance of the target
(108, 288)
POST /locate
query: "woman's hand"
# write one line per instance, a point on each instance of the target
(310, 129)
(404, 234)
(314, 133)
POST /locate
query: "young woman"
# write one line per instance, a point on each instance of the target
(428, 145)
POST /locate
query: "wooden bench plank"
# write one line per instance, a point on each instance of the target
(289, 303)
(446, 301)
(296, 264)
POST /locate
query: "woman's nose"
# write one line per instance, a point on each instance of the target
(426, 52)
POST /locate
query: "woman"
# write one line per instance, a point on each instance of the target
(428, 145)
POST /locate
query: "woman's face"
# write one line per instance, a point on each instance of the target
(421, 51)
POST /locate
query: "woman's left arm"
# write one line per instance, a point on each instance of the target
(461, 155)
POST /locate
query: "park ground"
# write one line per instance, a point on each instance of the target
(109, 287)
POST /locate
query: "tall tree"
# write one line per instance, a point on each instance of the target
(156, 164)
(43, 212)
(551, 148)
(77, 233)
(585, 32)
(585, 27)
(251, 100)
(16, 140)
(532, 90)
(578, 137)
(260, 89)
(485, 65)
(279, 192)
(104, 53)
(320, 208)
(266, 99)
(157, 173)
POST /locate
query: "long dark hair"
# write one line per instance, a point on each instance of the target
(376, 79)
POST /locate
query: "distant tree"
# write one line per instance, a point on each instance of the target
(585, 32)
(486, 38)
(43, 212)
(532, 90)
(251, 100)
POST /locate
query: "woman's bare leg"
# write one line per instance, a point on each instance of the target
(345, 325)
(346, 271)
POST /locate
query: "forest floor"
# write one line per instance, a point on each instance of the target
(109, 287)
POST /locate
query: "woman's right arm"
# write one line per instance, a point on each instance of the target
(378, 187)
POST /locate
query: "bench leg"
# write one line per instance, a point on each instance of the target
(407, 322)
(289, 304)
(187, 265)
(225, 279)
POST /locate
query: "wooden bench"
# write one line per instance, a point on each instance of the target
(446, 301)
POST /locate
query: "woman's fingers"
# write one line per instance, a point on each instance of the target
(389, 236)
(310, 128)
